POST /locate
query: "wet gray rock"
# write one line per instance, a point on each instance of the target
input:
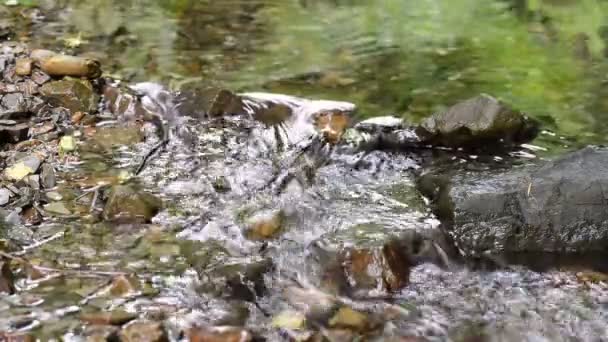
(476, 122)
(375, 264)
(40, 77)
(536, 215)
(14, 106)
(47, 176)
(33, 181)
(76, 95)
(241, 281)
(23, 167)
(12, 100)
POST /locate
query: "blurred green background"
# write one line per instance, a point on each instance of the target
(409, 58)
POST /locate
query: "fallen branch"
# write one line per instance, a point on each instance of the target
(149, 155)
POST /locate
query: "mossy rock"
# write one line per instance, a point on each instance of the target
(125, 204)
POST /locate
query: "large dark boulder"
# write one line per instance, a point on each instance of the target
(477, 122)
(537, 215)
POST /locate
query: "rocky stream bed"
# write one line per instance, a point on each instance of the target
(133, 213)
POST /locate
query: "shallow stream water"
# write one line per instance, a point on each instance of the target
(387, 57)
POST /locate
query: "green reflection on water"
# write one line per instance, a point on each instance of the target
(408, 58)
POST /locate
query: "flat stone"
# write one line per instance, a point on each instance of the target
(24, 167)
(42, 128)
(477, 122)
(57, 208)
(140, 331)
(219, 334)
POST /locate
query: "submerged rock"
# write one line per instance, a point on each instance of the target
(76, 95)
(110, 137)
(386, 268)
(209, 102)
(332, 124)
(243, 280)
(478, 121)
(265, 225)
(377, 265)
(127, 205)
(533, 215)
(116, 317)
(348, 318)
(101, 333)
(219, 334)
(57, 208)
(225, 275)
(143, 331)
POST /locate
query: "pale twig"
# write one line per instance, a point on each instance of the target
(85, 192)
(39, 243)
(79, 273)
(94, 201)
(94, 293)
